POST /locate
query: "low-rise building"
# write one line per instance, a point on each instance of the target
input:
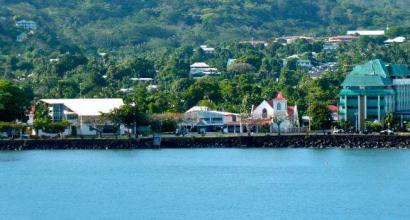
(373, 90)
(367, 32)
(230, 62)
(84, 115)
(207, 50)
(304, 64)
(320, 69)
(200, 69)
(201, 118)
(330, 47)
(395, 40)
(27, 25)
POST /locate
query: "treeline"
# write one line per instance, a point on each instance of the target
(135, 26)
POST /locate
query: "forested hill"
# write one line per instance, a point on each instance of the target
(149, 24)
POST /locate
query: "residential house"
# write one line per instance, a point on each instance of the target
(200, 69)
(27, 25)
(395, 40)
(317, 71)
(304, 64)
(145, 80)
(207, 50)
(276, 108)
(201, 118)
(373, 90)
(84, 114)
(330, 47)
(230, 62)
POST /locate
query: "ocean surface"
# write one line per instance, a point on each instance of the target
(206, 184)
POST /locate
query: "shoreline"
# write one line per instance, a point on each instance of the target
(283, 141)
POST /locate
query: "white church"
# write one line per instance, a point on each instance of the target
(277, 108)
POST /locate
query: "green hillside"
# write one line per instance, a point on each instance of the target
(136, 25)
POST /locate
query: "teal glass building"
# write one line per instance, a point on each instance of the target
(373, 90)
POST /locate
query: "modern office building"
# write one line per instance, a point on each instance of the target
(373, 90)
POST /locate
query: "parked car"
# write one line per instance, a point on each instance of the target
(365, 131)
(181, 131)
(3, 135)
(387, 132)
(338, 131)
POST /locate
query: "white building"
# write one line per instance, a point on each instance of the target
(83, 114)
(276, 108)
(203, 118)
(147, 80)
(230, 62)
(304, 64)
(27, 25)
(254, 42)
(395, 40)
(200, 69)
(207, 50)
(367, 32)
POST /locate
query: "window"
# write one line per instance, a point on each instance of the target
(279, 107)
(264, 113)
(217, 120)
(72, 117)
(233, 118)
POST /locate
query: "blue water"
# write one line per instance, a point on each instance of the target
(206, 184)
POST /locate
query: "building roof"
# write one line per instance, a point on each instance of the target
(399, 70)
(87, 107)
(343, 38)
(395, 40)
(207, 109)
(200, 65)
(198, 109)
(372, 73)
(280, 97)
(142, 79)
(366, 32)
(207, 49)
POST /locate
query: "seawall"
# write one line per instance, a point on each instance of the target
(284, 141)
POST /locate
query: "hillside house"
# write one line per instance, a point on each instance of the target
(200, 69)
(27, 25)
(207, 50)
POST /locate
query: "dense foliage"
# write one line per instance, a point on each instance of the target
(135, 25)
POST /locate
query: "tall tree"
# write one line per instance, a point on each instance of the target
(13, 102)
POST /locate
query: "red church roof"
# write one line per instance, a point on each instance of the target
(280, 97)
